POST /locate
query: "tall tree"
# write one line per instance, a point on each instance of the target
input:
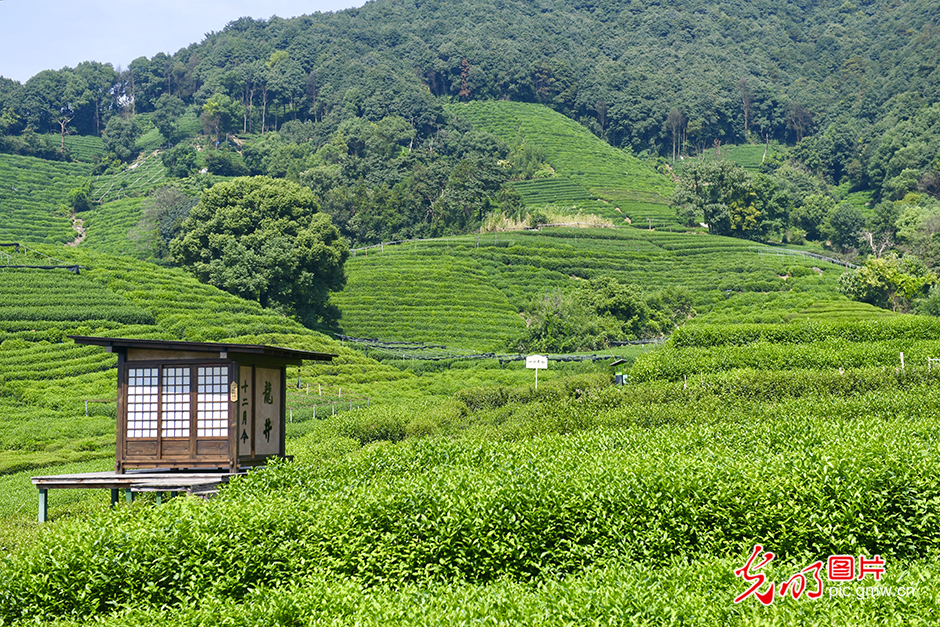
(266, 240)
(676, 122)
(747, 98)
(166, 114)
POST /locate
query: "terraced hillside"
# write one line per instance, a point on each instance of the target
(45, 378)
(468, 291)
(136, 179)
(591, 175)
(33, 193)
(84, 148)
(108, 227)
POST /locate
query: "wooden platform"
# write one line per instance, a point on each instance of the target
(157, 480)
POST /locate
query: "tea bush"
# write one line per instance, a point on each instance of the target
(480, 511)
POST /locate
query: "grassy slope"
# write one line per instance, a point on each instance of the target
(629, 505)
(709, 404)
(138, 178)
(467, 292)
(85, 148)
(31, 193)
(591, 175)
(45, 378)
(108, 227)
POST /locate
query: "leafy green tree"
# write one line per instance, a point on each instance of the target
(265, 239)
(897, 187)
(605, 296)
(725, 197)
(287, 81)
(80, 197)
(918, 226)
(92, 86)
(120, 137)
(560, 323)
(844, 226)
(220, 114)
(225, 163)
(161, 221)
(888, 282)
(930, 306)
(595, 313)
(812, 213)
(166, 114)
(180, 161)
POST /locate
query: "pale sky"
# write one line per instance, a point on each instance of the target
(40, 35)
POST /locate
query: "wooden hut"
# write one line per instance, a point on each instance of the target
(199, 405)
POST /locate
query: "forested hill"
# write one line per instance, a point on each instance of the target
(642, 74)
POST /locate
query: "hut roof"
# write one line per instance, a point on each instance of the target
(288, 355)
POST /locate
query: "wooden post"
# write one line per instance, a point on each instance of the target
(43, 505)
(114, 497)
(128, 495)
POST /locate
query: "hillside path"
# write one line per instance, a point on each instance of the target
(79, 225)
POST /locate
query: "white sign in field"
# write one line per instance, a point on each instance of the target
(538, 362)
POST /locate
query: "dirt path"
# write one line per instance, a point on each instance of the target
(79, 225)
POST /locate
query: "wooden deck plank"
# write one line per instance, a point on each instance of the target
(133, 481)
(150, 480)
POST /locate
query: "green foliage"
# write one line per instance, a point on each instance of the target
(85, 148)
(592, 315)
(161, 221)
(717, 335)
(179, 161)
(265, 240)
(110, 227)
(120, 137)
(812, 213)
(844, 226)
(136, 179)
(223, 163)
(888, 281)
(220, 115)
(617, 185)
(930, 306)
(468, 292)
(725, 197)
(166, 115)
(79, 197)
(31, 194)
(662, 482)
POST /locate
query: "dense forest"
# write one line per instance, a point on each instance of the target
(848, 77)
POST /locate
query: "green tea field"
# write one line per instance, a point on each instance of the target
(454, 491)
(590, 175)
(468, 292)
(632, 505)
(34, 196)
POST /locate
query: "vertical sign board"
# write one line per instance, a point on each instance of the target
(246, 412)
(268, 391)
(536, 362)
